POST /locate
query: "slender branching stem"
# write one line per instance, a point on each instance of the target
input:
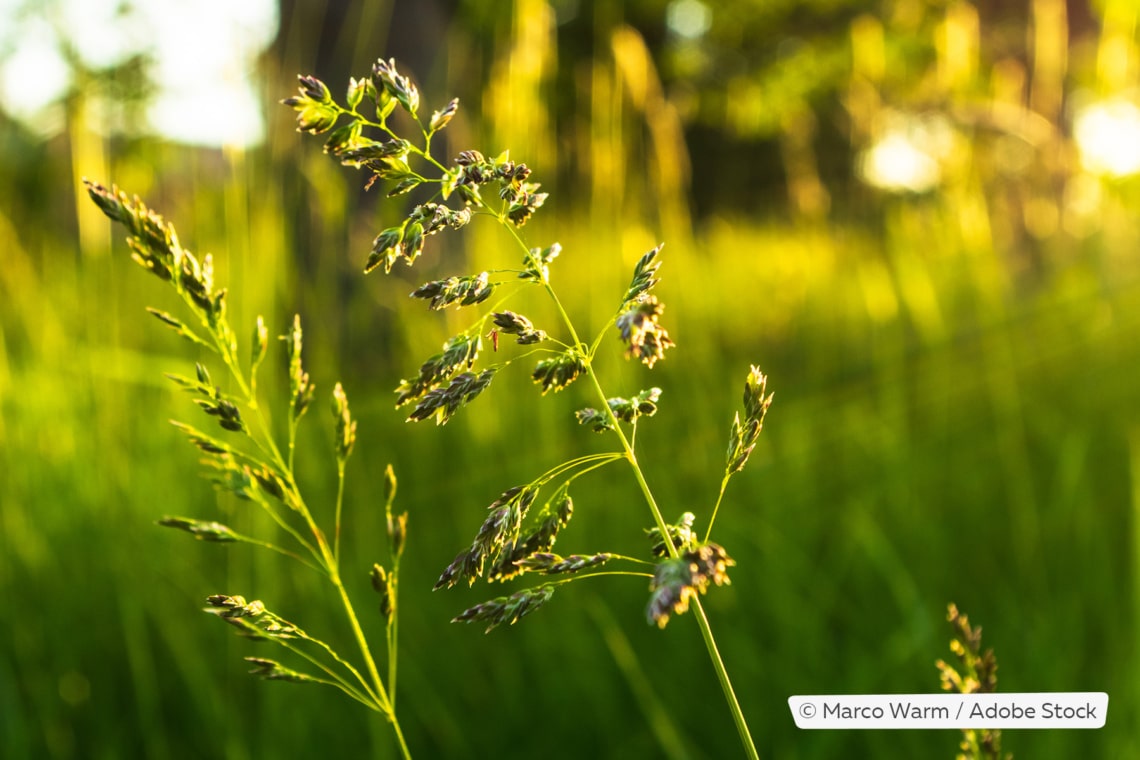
(367, 697)
(292, 446)
(381, 693)
(281, 550)
(716, 507)
(599, 574)
(339, 506)
(265, 441)
(638, 475)
(391, 637)
(593, 460)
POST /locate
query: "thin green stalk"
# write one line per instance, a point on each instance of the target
(325, 552)
(634, 560)
(716, 507)
(725, 683)
(370, 663)
(339, 507)
(702, 620)
(268, 445)
(395, 551)
(594, 460)
(280, 550)
(632, 458)
(391, 636)
(599, 574)
(378, 690)
(569, 324)
(292, 446)
(284, 525)
(275, 515)
(367, 698)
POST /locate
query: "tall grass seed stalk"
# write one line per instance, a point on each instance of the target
(246, 460)
(518, 534)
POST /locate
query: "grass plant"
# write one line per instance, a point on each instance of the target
(520, 530)
(247, 460)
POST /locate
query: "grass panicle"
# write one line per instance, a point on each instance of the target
(548, 563)
(506, 609)
(450, 195)
(976, 673)
(677, 581)
(246, 460)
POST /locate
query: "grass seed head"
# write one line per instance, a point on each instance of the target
(345, 425)
(272, 670)
(397, 533)
(680, 533)
(549, 563)
(385, 77)
(524, 331)
(644, 276)
(506, 609)
(202, 530)
(639, 329)
(443, 402)
(559, 371)
(442, 117)
(976, 673)
(383, 583)
(677, 581)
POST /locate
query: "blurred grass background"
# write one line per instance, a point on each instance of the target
(887, 206)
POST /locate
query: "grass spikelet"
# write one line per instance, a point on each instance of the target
(506, 609)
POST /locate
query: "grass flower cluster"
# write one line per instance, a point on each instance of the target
(518, 533)
(246, 460)
(976, 673)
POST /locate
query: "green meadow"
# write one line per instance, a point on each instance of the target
(956, 414)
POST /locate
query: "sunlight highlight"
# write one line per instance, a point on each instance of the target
(688, 18)
(906, 156)
(1108, 137)
(200, 57)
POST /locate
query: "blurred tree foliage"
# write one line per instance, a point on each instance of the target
(783, 102)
